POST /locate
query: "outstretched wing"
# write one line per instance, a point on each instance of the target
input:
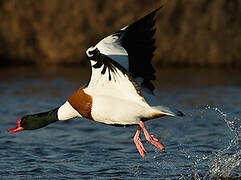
(133, 47)
(109, 78)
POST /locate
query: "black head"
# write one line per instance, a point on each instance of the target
(35, 121)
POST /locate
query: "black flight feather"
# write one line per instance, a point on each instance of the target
(138, 41)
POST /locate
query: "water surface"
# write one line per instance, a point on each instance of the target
(204, 144)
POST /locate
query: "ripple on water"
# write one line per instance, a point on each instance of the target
(204, 143)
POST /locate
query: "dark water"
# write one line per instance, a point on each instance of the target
(204, 144)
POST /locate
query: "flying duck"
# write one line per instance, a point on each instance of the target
(120, 91)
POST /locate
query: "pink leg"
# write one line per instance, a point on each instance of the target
(151, 138)
(138, 143)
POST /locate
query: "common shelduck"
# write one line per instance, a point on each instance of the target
(120, 91)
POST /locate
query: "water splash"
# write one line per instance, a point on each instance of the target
(223, 165)
(223, 162)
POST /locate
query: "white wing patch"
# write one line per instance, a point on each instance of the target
(110, 46)
(110, 79)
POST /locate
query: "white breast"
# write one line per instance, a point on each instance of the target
(66, 111)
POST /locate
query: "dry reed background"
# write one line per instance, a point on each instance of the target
(189, 32)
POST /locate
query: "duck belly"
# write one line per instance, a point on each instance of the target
(117, 111)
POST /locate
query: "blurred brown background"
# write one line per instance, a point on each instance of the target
(57, 32)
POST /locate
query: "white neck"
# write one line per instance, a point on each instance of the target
(66, 111)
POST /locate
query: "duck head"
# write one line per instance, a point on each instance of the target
(35, 121)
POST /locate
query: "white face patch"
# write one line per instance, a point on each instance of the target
(66, 112)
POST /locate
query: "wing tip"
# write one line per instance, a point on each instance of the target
(156, 10)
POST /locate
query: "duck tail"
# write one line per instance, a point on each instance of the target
(168, 111)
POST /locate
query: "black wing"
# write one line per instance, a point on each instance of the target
(138, 41)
